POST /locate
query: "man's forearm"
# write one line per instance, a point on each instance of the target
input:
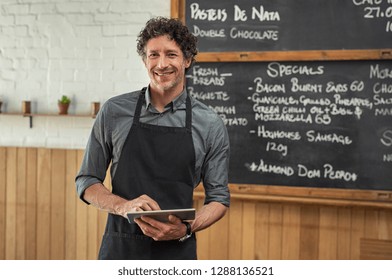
(208, 215)
(99, 196)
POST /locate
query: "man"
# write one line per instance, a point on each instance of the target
(161, 143)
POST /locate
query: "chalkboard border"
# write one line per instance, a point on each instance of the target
(178, 11)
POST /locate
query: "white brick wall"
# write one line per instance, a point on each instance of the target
(83, 48)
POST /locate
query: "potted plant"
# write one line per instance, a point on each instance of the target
(63, 104)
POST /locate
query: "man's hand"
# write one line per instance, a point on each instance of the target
(159, 231)
(141, 203)
(99, 196)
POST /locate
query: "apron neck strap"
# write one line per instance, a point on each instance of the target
(139, 105)
(142, 98)
(188, 113)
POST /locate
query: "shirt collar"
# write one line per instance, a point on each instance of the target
(177, 103)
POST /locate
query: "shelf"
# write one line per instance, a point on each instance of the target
(30, 116)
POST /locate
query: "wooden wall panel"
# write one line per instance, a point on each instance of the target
(41, 217)
(357, 232)
(374, 249)
(309, 233)
(291, 232)
(11, 200)
(20, 220)
(3, 199)
(57, 205)
(249, 231)
(219, 240)
(262, 226)
(275, 232)
(44, 170)
(235, 231)
(70, 205)
(343, 231)
(385, 226)
(31, 205)
(328, 236)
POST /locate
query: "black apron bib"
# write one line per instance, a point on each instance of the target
(158, 161)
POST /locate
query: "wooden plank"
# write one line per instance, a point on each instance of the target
(309, 233)
(70, 205)
(21, 229)
(44, 169)
(57, 221)
(11, 199)
(3, 217)
(357, 232)
(291, 232)
(344, 234)
(174, 8)
(262, 231)
(376, 249)
(275, 235)
(81, 222)
(294, 55)
(248, 241)
(31, 204)
(314, 196)
(235, 230)
(385, 225)
(219, 239)
(371, 224)
(328, 233)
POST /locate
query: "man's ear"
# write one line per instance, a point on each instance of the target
(188, 63)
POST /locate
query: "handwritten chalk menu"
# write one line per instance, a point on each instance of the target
(249, 25)
(319, 124)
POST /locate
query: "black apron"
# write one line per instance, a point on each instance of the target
(158, 161)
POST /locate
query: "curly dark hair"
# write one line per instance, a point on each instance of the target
(174, 29)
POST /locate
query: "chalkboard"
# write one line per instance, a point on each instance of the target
(316, 124)
(281, 25)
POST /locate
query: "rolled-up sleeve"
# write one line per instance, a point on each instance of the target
(216, 165)
(98, 153)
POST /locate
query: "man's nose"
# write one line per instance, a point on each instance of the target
(163, 62)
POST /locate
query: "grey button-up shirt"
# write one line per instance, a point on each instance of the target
(112, 125)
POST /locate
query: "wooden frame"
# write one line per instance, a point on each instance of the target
(308, 195)
(290, 194)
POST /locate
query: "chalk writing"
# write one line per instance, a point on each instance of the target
(326, 123)
(376, 10)
(248, 25)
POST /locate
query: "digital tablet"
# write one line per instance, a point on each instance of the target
(162, 215)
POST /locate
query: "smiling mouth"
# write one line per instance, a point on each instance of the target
(163, 73)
